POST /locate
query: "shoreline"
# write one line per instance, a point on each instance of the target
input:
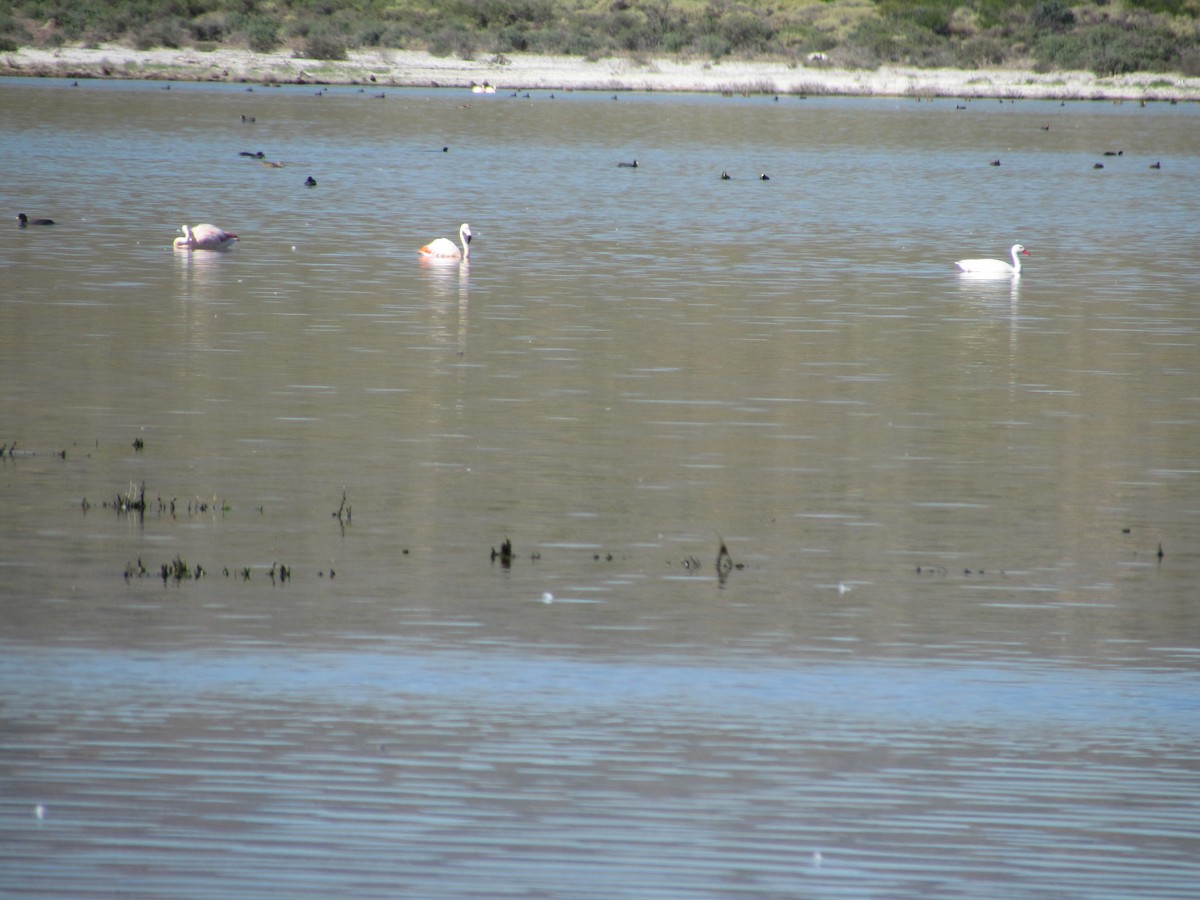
(519, 71)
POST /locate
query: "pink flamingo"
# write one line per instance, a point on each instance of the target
(444, 248)
(205, 237)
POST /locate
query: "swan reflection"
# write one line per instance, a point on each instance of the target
(988, 289)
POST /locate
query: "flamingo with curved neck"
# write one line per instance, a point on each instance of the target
(995, 266)
(444, 248)
(205, 237)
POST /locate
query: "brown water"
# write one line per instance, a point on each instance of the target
(947, 661)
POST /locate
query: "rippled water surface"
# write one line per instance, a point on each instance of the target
(952, 648)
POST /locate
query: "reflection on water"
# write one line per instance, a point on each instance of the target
(448, 294)
(952, 651)
(449, 773)
(997, 295)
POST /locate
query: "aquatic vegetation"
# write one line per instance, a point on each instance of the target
(344, 511)
(132, 501)
(504, 554)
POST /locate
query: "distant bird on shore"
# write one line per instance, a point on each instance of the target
(994, 266)
(24, 220)
(444, 248)
(205, 237)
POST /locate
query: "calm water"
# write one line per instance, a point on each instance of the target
(947, 662)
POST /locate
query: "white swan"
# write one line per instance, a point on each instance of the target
(443, 248)
(995, 266)
(205, 237)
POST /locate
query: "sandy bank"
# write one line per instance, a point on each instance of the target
(400, 68)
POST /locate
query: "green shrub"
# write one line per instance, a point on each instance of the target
(209, 27)
(1108, 49)
(512, 39)
(1189, 61)
(370, 32)
(453, 42)
(1052, 15)
(262, 34)
(1171, 7)
(895, 40)
(713, 46)
(162, 33)
(324, 43)
(13, 35)
(745, 31)
(574, 42)
(980, 52)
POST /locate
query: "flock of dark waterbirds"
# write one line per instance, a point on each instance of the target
(310, 182)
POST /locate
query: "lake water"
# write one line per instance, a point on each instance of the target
(944, 656)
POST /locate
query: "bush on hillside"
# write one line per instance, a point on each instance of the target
(1102, 35)
(453, 42)
(210, 27)
(894, 41)
(1110, 49)
(170, 33)
(260, 33)
(325, 46)
(1052, 15)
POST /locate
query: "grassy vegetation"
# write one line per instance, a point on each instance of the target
(1105, 36)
